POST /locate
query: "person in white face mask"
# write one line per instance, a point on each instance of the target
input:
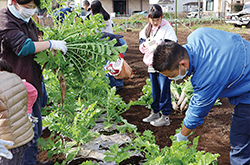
(18, 45)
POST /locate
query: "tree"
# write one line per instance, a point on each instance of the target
(238, 7)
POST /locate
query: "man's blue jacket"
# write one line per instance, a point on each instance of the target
(220, 64)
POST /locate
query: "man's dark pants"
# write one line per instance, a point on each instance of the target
(240, 135)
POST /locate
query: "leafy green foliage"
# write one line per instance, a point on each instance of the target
(86, 49)
(56, 145)
(179, 153)
(93, 88)
(52, 86)
(117, 154)
(77, 128)
(169, 16)
(126, 127)
(114, 106)
(146, 98)
(187, 88)
(89, 163)
(238, 7)
(82, 65)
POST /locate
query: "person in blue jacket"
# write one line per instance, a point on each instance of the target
(220, 64)
(60, 14)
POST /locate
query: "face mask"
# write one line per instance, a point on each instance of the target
(179, 76)
(26, 13)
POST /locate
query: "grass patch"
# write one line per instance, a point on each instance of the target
(129, 22)
(224, 27)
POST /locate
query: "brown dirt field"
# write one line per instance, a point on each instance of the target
(214, 132)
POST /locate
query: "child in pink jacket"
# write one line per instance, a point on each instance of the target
(32, 95)
(155, 32)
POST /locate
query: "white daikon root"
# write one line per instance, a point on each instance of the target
(182, 97)
(183, 104)
(174, 105)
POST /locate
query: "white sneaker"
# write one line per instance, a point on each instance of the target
(153, 116)
(163, 121)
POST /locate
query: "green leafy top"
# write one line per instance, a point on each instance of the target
(86, 47)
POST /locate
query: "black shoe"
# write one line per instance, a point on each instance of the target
(119, 88)
(44, 163)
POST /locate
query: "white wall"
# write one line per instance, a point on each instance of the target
(108, 5)
(218, 5)
(79, 3)
(135, 5)
(3, 3)
(168, 8)
(131, 5)
(180, 3)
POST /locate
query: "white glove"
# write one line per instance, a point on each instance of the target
(150, 45)
(180, 137)
(33, 119)
(3, 151)
(151, 48)
(58, 45)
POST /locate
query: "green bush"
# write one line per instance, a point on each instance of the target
(169, 15)
(135, 16)
(238, 7)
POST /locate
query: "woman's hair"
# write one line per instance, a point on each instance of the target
(154, 11)
(22, 2)
(5, 66)
(96, 7)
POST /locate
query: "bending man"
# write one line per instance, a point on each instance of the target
(220, 64)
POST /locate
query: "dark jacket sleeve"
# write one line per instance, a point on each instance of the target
(112, 36)
(15, 40)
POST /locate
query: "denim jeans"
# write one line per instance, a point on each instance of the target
(160, 89)
(43, 99)
(113, 81)
(240, 135)
(32, 151)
